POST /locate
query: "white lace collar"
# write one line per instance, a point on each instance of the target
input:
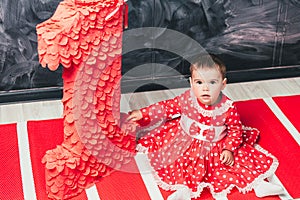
(219, 109)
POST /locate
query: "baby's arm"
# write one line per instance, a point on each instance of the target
(158, 112)
(234, 137)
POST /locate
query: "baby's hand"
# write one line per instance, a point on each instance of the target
(134, 116)
(129, 127)
(226, 157)
(130, 124)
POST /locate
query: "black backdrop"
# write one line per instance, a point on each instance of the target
(257, 39)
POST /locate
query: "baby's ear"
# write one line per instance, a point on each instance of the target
(224, 82)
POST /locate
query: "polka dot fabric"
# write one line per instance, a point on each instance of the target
(190, 155)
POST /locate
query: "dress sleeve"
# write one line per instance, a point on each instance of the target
(161, 111)
(234, 130)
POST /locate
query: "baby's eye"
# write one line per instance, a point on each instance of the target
(213, 82)
(199, 82)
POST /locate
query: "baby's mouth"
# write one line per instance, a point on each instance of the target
(205, 97)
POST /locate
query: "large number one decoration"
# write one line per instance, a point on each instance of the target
(85, 36)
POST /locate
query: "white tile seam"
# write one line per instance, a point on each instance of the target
(25, 162)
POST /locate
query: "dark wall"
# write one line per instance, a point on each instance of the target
(257, 39)
(19, 66)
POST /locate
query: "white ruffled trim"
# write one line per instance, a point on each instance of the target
(211, 113)
(249, 128)
(141, 148)
(202, 185)
(150, 128)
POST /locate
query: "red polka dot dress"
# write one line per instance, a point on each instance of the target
(183, 140)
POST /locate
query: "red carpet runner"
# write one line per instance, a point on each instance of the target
(46, 134)
(290, 107)
(275, 139)
(10, 173)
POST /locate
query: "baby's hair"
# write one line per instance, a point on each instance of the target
(207, 61)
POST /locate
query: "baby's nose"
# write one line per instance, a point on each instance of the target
(205, 86)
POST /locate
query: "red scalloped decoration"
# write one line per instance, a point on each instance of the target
(85, 36)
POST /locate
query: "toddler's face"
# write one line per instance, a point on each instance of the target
(207, 84)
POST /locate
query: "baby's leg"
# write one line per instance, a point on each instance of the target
(221, 198)
(265, 188)
(181, 194)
